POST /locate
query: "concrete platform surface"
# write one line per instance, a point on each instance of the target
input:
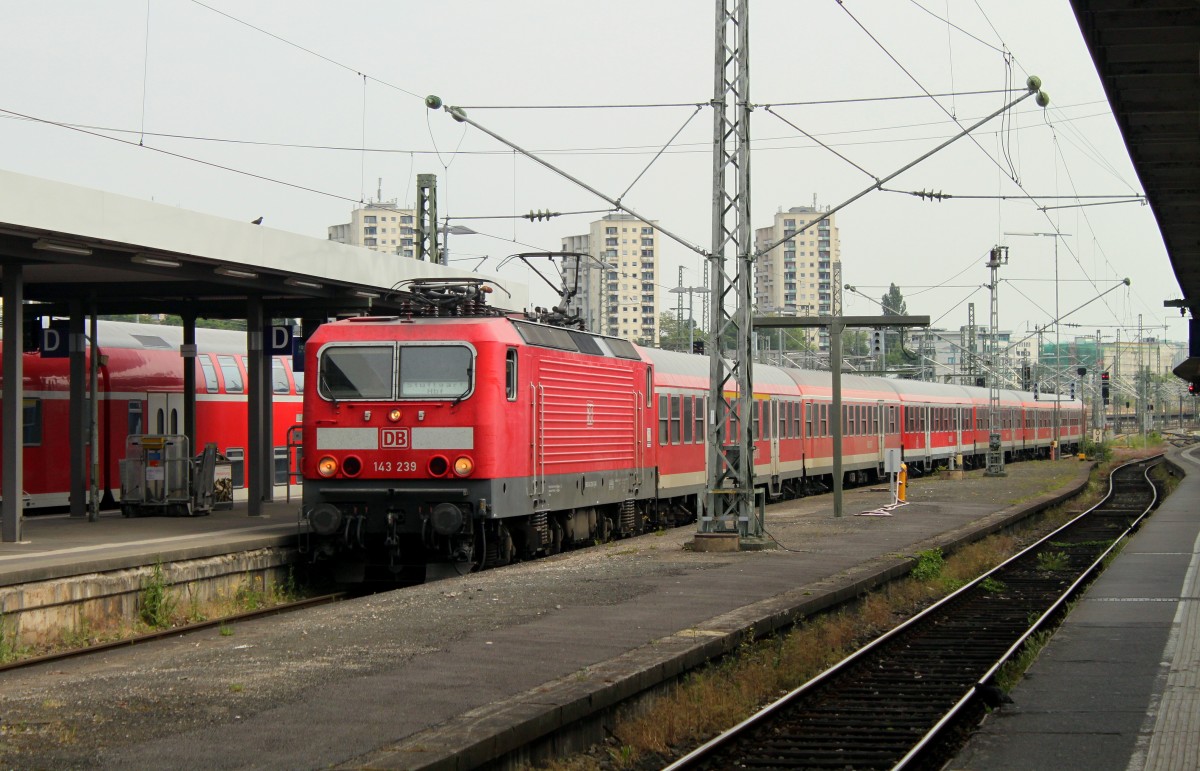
(1118, 686)
(445, 674)
(56, 545)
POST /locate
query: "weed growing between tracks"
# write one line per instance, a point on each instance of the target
(710, 700)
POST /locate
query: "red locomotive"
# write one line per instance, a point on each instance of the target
(141, 392)
(466, 436)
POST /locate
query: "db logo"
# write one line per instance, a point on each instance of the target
(393, 438)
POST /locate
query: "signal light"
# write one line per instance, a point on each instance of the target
(394, 415)
(463, 466)
(876, 342)
(1192, 389)
(327, 466)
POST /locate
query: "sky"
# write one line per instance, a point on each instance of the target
(298, 110)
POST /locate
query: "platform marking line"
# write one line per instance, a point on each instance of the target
(1172, 743)
(146, 542)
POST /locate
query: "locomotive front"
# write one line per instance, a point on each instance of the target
(396, 473)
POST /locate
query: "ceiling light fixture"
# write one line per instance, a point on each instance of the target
(56, 246)
(303, 284)
(365, 294)
(158, 262)
(235, 272)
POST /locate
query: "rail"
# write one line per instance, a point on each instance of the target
(890, 703)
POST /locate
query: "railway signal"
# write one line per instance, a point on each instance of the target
(1104, 386)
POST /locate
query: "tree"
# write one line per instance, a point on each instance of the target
(893, 302)
(674, 336)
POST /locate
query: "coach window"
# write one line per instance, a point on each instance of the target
(698, 436)
(232, 374)
(279, 378)
(687, 419)
(135, 416)
(510, 374)
(664, 418)
(784, 414)
(824, 427)
(237, 465)
(649, 388)
(31, 422)
(674, 420)
(210, 375)
(281, 465)
(808, 419)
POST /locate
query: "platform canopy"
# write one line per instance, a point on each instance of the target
(126, 255)
(1147, 53)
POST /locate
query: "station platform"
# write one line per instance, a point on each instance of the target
(449, 674)
(59, 546)
(1118, 685)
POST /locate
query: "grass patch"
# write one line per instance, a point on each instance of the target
(992, 586)
(156, 604)
(1051, 561)
(1014, 669)
(10, 650)
(929, 565)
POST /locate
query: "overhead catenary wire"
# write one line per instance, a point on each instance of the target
(307, 50)
(181, 156)
(702, 147)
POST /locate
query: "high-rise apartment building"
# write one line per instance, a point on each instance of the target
(618, 290)
(379, 225)
(798, 277)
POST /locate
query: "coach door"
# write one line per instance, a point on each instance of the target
(880, 426)
(164, 413)
(774, 430)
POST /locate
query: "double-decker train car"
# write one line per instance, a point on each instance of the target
(140, 385)
(462, 435)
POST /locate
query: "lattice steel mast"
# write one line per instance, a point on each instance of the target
(729, 500)
(995, 454)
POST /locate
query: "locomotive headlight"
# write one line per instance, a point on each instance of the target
(395, 415)
(463, 466)
(327, 466)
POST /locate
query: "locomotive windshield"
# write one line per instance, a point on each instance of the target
(369, 372)
(357, 372)
(435, 371)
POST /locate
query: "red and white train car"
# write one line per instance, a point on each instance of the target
(478, 440)
(140, 385)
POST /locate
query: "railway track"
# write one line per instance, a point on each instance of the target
(906, 699)
(160, 634)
